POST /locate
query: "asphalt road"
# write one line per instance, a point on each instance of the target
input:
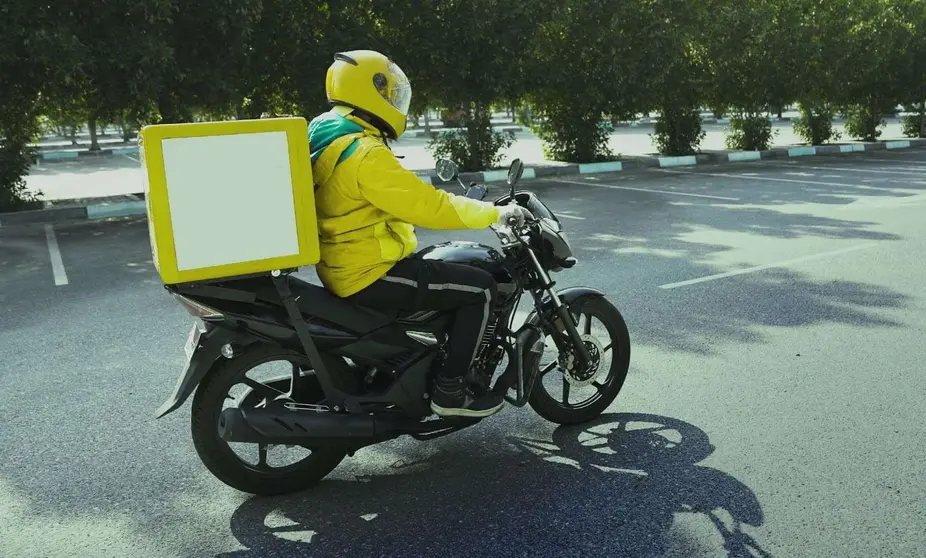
(772, 411)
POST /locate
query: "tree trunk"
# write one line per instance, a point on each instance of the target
(126, 129)
(166, 108)
(923, 120)
(472, 162)
(94, 144)
(427, 121)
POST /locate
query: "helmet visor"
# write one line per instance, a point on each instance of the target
(399, 90)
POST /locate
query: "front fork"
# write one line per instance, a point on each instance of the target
(565, 320)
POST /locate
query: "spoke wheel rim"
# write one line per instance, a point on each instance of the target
(263, 394)
(613, 372)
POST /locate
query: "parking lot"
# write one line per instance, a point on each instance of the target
(773, 407)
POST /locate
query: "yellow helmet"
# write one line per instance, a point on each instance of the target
(368, 81)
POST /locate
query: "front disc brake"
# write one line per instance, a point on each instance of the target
(570, 364)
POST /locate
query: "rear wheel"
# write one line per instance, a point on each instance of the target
(565, 393)
(236, 382)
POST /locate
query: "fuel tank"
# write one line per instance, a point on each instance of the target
(476, 255)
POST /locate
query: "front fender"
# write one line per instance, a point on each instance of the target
(207, 352)
(569, 296)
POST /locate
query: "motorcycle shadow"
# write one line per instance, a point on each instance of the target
(611, 487)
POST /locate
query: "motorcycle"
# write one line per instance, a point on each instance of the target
(357, 377)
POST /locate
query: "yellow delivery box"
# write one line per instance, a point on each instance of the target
(226, 199)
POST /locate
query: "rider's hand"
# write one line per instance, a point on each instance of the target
(518, 213)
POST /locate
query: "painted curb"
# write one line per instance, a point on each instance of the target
(129, 205)
(70, 155)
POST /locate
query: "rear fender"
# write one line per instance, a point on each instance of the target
(207, 352)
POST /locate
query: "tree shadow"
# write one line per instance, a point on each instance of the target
(612, 487)
(647, 240)
(823, 180)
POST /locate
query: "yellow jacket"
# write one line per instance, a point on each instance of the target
(367, 204)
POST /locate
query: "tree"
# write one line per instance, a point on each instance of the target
(119, 59)
(468, 54)
(911, 68)
(588, 59)
(821, 37)
(753, 55)
(319, 31)
(872, 68)
(676, 84)
(208, 40)
(37, 54)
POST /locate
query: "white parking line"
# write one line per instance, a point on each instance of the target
(649, 190)
(57, 264)
(876, 170)
(914, 162)
(770, 179)
(564, 216)
(765, 266)
(129, 157)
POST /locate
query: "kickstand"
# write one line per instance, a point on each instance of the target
(281, 281)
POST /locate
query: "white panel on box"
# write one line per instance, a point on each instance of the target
(231, 198)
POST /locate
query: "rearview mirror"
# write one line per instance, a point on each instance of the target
(446, 169)
(477, 192)
(515, 171)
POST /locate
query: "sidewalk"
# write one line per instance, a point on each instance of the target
(625, 141)
(110, 186)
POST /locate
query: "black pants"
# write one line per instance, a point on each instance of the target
(415, 284)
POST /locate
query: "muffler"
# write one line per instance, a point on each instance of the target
(281, 425)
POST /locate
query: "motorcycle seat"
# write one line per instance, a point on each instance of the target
(316, 300)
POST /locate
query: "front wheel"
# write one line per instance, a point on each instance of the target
(557, 395)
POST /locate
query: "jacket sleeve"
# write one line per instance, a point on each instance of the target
(389, 186)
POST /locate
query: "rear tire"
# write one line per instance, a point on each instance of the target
(222, 461)
(558, 412)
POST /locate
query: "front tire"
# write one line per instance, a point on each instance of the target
(563, 412)
(221, 460)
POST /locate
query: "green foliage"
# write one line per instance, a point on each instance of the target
(750, 132)
(678, 132)
(588, 57)
(815, 126)
(863, 123)
(523, 115)
(574, 136)
(15, 159)
(477, 146)
(914, 125)
(751, 50)
(464, 54)
(37, 55)
(566, 67)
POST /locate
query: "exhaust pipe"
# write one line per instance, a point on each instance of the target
(279, 425)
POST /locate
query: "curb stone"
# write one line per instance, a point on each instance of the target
(45, 156)
(128, 205)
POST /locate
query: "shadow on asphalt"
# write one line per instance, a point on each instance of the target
(647, 240)
(611, 487)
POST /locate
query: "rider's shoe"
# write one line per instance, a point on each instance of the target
(453, 397)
